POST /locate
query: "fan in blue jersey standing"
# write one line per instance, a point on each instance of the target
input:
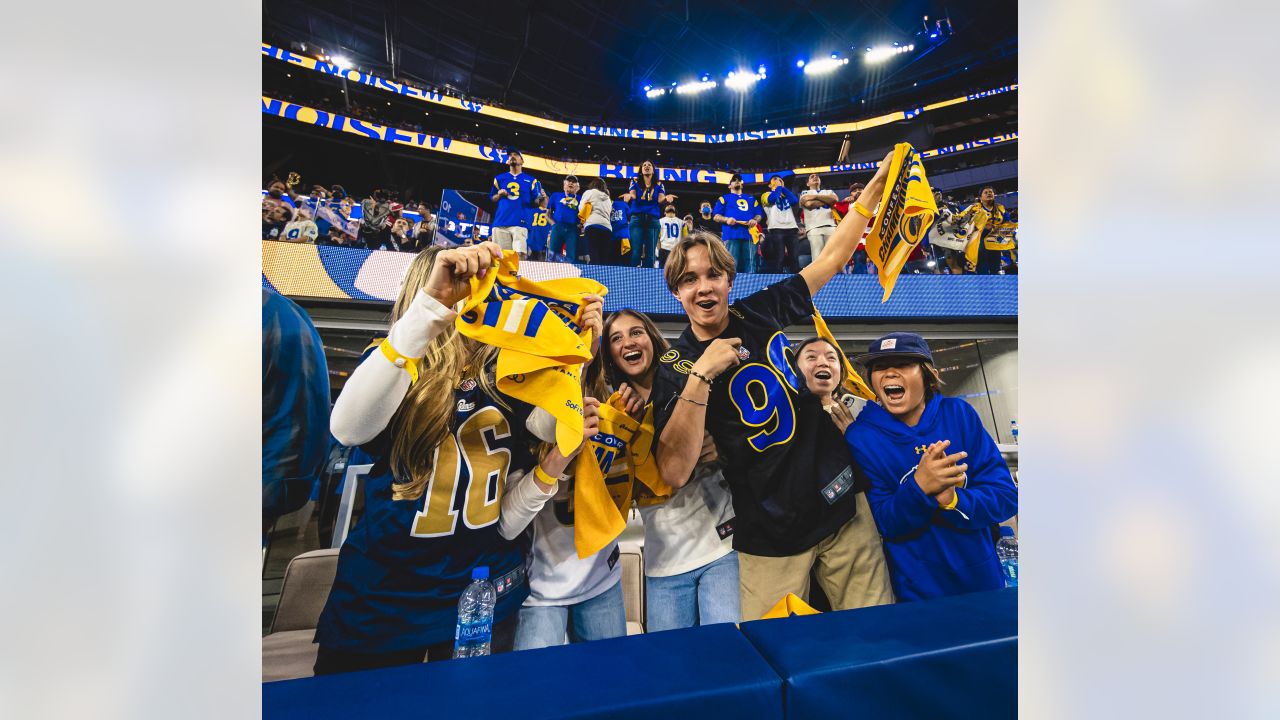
(793, 480)
(445, 445)
(516, 193)
(647, 195)
(737, 212)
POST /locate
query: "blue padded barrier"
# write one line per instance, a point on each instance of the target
(954, 657)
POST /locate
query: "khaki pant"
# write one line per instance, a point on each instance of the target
(818, 239)
(511, 238)
(850, 568)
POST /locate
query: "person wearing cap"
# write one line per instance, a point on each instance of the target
(563, 211)
(736, 211)
(939, 486)
(782, 243)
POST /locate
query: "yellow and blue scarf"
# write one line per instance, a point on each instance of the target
(599, 514)
(542, 346)
(906, 212)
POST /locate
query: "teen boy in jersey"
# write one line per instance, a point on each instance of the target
(793, 481)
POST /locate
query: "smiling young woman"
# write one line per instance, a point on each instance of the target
(691, 569)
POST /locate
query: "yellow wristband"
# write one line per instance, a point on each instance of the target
(544, 476)
(955, 500)
(409, 364)
(857, 207)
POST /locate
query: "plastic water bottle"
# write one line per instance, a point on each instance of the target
(1007, 551)
(475, 616)
(1014, 431)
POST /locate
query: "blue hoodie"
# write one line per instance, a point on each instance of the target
(934, 552)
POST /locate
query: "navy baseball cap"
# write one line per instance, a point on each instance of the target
(897, 344)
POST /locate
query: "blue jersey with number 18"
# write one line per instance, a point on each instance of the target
(789, 469)
(406, 562)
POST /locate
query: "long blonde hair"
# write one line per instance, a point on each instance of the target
(425, 416)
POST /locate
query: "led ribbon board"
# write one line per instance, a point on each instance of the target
(486, 153)
(340, 273)
(436, 98)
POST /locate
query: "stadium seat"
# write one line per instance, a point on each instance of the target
(287, 650)
(632, 556)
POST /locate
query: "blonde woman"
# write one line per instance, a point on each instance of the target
(445, 446)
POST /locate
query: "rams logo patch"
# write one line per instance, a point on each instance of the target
(669, 356)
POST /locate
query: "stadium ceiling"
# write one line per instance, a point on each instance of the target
(588, 60)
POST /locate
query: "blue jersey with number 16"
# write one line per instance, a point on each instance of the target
(406, 562)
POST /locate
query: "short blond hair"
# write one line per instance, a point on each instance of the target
(677, 263)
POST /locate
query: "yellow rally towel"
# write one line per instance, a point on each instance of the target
(599, 512)
(980, 219)
(853, 381)
(906, 212)
(626, 246)
(541, 346)
(789, 605)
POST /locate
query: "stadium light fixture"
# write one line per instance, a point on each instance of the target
(825, 65)
(342, 61)
(800, 63)
(652, 93)
(743, 79)
(882, 53)
(694, 88)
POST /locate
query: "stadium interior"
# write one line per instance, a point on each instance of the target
(595, 64)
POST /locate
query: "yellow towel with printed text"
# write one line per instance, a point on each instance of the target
(789, 605)
(599, 508)
(853, 381)
(906, 212)
(541, 346)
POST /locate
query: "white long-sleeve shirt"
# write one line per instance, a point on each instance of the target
(375, 390)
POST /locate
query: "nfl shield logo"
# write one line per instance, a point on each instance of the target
(743, 353)
(467, 385)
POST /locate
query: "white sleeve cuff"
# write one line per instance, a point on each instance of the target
(542, 425)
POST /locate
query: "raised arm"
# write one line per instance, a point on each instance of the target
(844, 240)
(376, 388)
(527, 494)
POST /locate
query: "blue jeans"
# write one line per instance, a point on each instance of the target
(702, 596)
(599, 618)
(564, 236)
(644, 235)
(743, 253)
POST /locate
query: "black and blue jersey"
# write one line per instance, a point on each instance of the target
(791, 474)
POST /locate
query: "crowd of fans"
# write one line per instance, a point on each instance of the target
(776, 230)
(761, 468)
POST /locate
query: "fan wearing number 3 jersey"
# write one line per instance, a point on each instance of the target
(449, 456)
(795, 486)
